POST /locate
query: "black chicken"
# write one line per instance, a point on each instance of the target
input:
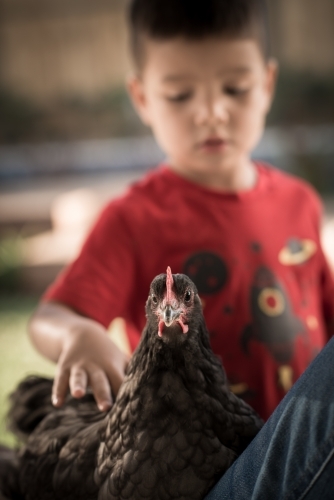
(174, 429)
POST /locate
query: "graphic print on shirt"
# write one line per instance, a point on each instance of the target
(207, 270)
(274, 323)
(297, 251)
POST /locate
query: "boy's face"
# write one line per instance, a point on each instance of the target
(206, 101)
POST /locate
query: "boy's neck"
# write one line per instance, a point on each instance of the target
(239, 179)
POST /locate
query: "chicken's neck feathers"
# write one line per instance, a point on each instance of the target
(193, 361)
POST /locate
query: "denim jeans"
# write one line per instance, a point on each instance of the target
(292, 457)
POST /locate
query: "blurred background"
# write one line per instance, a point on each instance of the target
(70, 140)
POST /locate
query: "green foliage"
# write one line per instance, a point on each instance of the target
(303, 98)
(71, 117)
(10, 261)
(118, 104)
(113, 106)
(17, 117)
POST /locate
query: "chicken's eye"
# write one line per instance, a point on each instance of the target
(154, 298)
(187, 296)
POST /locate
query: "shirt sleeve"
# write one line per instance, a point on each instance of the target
(99, 283)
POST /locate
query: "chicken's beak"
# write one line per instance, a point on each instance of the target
(170, 315)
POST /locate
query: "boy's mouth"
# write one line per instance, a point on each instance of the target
(213, 143)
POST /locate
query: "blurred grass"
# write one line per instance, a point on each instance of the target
(18, 358)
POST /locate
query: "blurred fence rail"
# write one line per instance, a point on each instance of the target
(280, 146)
(78, 156)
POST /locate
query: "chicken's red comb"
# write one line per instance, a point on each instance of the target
(169, 284)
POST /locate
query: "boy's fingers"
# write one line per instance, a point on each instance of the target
(115, 380)
(116, 373)
(101, 389)
(60, 387)
(78, 382)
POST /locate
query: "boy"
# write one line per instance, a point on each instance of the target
(247, 234)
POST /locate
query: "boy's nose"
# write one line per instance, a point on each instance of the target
(211, 112)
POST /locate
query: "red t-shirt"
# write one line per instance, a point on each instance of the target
(255, 257)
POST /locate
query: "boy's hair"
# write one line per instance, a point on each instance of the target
(196, 19)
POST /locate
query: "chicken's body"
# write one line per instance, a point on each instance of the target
(174, 429)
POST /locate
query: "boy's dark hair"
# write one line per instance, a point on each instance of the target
(196, 19)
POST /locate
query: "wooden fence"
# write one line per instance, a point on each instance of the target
(53, 48)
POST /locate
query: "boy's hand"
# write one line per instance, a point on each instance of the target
(89, 357)
(84, 353)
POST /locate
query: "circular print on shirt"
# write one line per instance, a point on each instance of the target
(207, 270)
(271, 302)
(297, 251)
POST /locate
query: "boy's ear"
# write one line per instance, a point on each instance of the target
(136, 91)
(272, 74)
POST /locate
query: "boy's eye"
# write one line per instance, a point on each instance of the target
(179, 97)
(235, 91)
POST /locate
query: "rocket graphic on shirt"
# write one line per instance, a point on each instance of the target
(274, 323)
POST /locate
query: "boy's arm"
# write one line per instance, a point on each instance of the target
(82, 350)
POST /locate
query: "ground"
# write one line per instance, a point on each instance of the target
(14, 346)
